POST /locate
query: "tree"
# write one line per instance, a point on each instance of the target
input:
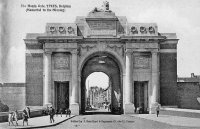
(3, 107)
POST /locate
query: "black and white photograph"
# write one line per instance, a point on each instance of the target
(100, 64)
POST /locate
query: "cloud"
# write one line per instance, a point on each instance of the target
(16, 64)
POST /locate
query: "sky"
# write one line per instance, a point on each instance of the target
(172, 16)
(102, 81)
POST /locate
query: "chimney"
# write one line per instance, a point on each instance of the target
(192, 75)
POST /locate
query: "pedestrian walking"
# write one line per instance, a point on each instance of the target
(109, 107)
(15, 116)
(25, 116)
(61, 111)
(68, 112)
(51, 114)
(10, 118)
(47, 111)
(57, 112)
(157, 109)
(28, 111)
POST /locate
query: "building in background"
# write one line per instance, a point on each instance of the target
(188, 92)
(98, 97)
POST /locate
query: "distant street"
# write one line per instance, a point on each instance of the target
(106, 121)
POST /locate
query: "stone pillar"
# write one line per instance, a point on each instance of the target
(47, 78)
(74, 102)
(129, 106)
(155, 81)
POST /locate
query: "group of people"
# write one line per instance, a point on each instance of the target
(156, 107)
(107, 106)
(67, 112)
(14, 115)
(52, 112)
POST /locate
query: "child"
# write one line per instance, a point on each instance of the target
(157, 109)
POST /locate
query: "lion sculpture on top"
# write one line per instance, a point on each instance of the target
(105, 8)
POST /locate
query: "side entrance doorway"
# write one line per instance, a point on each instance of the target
(62, 95)
(141, 96)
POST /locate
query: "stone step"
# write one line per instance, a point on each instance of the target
(180, 112)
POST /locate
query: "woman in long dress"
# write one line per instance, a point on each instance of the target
(10, 118)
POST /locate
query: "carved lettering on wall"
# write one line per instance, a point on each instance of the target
(61, 61)
(141, 62)
(102, 27)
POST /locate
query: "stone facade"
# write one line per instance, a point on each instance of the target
(13, 95)
(140, 61)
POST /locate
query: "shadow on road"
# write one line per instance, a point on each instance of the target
(95, 112)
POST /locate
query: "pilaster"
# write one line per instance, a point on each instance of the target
(47, 78)
(74, 102)
(129, 106)
(155, 81)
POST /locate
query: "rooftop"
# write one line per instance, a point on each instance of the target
(193, 78)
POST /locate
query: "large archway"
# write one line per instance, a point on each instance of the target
(98, 93)
(108, 64)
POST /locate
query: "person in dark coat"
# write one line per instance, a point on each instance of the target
(157, 109)
(57, 112)
(51, 114)
(25, 116)
(61, 111)
(68, 112)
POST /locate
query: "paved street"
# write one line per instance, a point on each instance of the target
(102, 119)
(113, 122)
(42, 121)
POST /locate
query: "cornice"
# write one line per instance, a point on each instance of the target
(101, 39)
(59, 39)
(30, 41)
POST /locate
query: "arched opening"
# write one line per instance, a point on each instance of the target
(98, 92)
(107, 65)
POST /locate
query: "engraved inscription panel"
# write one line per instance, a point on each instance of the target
(141, 62)
(102, 27)
(61, 61)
